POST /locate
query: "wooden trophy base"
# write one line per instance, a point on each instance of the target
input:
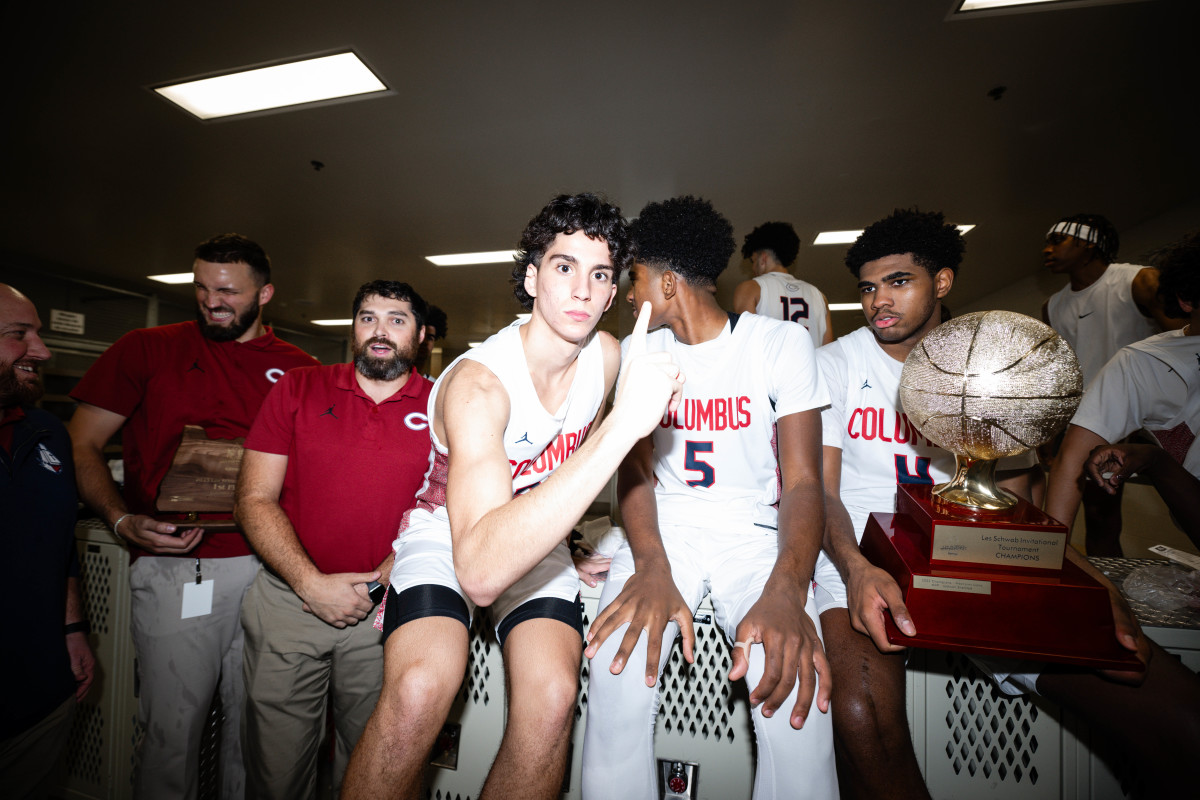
(1061, 615)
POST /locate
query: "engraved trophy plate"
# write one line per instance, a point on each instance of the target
(981, 570)
(201, 480)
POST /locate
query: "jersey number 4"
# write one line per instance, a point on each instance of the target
(921, 475)
(693, 464)
(794, 308)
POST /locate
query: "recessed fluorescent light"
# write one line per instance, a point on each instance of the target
(307, 81)
(464, 259)
(845, 306)
(848, 237)
(976, 5)
(176, 277)
(474, 344)
(332, 322)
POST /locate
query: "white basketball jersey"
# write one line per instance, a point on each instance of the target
(786, 297)
(536, 441)
(715, 457)
(880, 447)
(1152, 384)
(1101, 319)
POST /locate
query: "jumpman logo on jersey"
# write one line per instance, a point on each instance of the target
(196, 366)
(524, 439)
(328, 412)
(866, 385)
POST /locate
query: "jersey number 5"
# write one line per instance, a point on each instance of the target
(693, 464)
(794, 308)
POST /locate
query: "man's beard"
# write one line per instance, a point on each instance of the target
(232, 332)
(16, 391)
(387, 368)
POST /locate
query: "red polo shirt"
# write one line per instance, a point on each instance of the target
(354, 466)
(164, 378)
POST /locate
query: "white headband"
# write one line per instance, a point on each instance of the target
(1076, 229)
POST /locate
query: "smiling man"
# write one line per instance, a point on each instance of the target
(213, 373)
(518, 457)
(49, 666)
(323, 435)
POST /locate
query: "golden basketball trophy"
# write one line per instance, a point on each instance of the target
(201, 480)
(981, 570)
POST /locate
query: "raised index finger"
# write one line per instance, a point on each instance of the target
(637, 339)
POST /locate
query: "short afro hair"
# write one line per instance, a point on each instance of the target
(393, 290)
(567, 214)
(933, 244)
(1103, 235)
(685, 235)
(1179, 275)
(436, 318)
(778, 237)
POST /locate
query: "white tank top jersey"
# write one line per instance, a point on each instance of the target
(786, 297)
(1152, 384)
(535, 440)
(1101, 319)
(715, 458)
(880, 447)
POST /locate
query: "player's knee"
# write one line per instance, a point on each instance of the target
(865, 730)
(420, 691)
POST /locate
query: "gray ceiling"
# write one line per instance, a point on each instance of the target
(826, 113)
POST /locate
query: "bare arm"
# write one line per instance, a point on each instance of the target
(83, 662)
(91, 427)
(1145, 294)
(1179, 489)
(498, 538)
(745, 296)
(649, 600)
(339, 599)
(871, 593)
(791, 646)
(1065, 491)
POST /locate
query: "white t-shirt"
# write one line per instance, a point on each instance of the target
(786, 297)
(1152, 384)
(715, 458)
(1101, 319)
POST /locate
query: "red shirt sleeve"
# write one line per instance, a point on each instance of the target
(275, 425)
(117, 381)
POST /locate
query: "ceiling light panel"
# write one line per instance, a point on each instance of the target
(175, 277)
(466, 259)
(848, 237)
(332, 322)
(278, 86)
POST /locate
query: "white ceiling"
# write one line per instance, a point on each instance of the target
(825, 113)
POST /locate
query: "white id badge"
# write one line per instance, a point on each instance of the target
(197, 599)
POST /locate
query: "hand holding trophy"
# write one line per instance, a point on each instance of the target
(981, 570)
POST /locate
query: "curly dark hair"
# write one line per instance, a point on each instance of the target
(1179, 275)
(778, 237)
(934, 244)
(393, 290)
(1107, 241)
(567, 214)
(685, 235)
(230, 248)
(437, 318)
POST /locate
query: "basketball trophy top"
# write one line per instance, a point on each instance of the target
(986, 386)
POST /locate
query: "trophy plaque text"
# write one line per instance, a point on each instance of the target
(982, 571)
(198, 489)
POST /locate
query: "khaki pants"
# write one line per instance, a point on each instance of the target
(293, 662)
(28, 760)
(180, 664)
